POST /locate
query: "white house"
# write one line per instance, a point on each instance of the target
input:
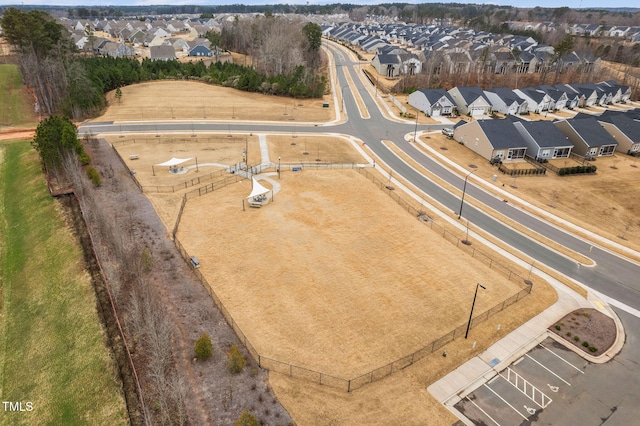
(433, 102)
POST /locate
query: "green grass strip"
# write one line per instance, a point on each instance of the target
(52, 351)
(16, 105)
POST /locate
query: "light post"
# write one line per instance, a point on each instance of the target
(278, 167)
(415, 130)
(472, 305)
(464, 189)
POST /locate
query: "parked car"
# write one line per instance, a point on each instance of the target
(447, 132)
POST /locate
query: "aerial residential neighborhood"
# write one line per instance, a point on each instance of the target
(319, 214)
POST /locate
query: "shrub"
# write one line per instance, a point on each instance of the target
(203, 347)
(246, 419)
(576, 338)
(84, 158)
(568, 334)
(94, 176)
(593, 349)
(147, 259)
(235, 360)
(562, 171)
(585, 344)
(558, 327)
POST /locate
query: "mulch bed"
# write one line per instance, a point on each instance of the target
(588, 330)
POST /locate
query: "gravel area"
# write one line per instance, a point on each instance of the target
(588, 330)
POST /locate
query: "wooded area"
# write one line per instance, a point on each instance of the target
(286, 56)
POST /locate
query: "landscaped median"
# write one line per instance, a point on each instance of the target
(52, 349)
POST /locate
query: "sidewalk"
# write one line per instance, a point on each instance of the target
(472, 374)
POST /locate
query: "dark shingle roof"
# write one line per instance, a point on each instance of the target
(434, 95)
(592, 132)
(546, 134)
(502, 134)
(627, 125)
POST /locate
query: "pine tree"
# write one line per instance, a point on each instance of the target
(204, 347)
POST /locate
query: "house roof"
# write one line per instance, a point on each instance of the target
(471, 93)
(625, 124)
(507, 95)
(546, 134)
(434, 95)
(502, 134)
(162, 52)
(388, 59)
(592, 132)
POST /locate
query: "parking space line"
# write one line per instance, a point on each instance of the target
(544, 347)
(483, 412)
(519, 379)
(505, 401)
(532, 359)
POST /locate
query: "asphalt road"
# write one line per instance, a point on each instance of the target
(613, 276)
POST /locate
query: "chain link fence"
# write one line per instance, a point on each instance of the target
(348, 385)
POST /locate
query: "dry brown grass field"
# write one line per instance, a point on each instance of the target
(333, 275)
(190, 100)
(602, 203)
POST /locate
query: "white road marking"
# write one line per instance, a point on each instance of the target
(532, 359)
(503, 400)
(577, 369)
(483, 412)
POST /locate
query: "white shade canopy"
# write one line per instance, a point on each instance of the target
(257, 189)
(174, 162)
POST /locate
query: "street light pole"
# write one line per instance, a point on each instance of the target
(472, 305)
(415, 130)
(464, 189)
(278, 167)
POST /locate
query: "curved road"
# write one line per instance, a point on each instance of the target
(613, 276)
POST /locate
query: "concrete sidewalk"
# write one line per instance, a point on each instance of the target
(472, 374)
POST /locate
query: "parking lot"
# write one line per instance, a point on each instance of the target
(519, 393)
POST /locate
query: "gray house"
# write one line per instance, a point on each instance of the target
(470, 100)
(492, 139)
(162, 53)
(588, 137)
(624, 129)
(505, 101)
(387, 65)
(544, 140)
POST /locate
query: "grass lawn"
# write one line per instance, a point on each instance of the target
(52, 349)
(16, 106)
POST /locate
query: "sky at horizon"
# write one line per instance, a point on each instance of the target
(517, 3)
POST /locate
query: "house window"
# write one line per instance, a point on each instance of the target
(500, 154)
(516, 153)
(593, 151)
(607, 149)
(545, 153)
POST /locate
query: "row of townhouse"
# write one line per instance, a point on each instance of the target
(476, 102)
(631, 33)
(436, 49)
(163, 37)
(587, 136)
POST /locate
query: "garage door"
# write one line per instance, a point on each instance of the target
(477, 111)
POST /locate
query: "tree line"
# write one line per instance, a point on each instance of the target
(286, 58)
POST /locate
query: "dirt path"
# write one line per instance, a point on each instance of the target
(17, 134)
